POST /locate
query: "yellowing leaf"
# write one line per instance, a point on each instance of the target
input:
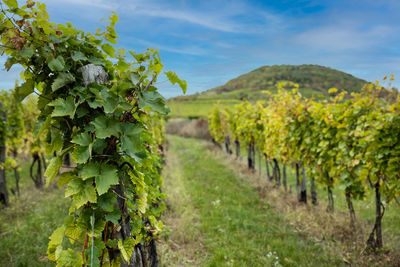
(52, 170)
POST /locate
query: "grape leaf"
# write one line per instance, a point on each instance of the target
(62, 79)
(78, 56)
(53, 168)
(108, 49)
(63, 107)
(173, 78)
(153, 100)
(106, 127)
(57, 64)
(131, 138)
(108, 176)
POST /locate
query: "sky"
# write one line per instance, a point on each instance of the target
(210, 42)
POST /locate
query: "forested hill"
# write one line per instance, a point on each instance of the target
(313, 80)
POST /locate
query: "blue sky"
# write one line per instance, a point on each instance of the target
(210, 42)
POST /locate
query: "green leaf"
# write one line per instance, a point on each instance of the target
(99, 146)
(81, 154)
(173, 78)
(25, 89)
(62, 79)
(53, 168)
(83, 149)
(107, 201)
(108, 176)
(131, 139)
(57, 64)
(69, 258)
(11, 3)
(90, 170)
(74, 187)
(78, 56)
(106, 127)
(126, 247)
(26, 52)
(110, 101)
(108, 49)
(87, 194)
(135, 78)
(81, 191)
(63, 107)
(114, 216)
(54, 245)
(65, 178)
(153, 100)
(82, 139)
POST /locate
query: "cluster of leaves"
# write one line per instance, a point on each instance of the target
(218, 123)
(105, 120)
(12, 130)
(352, 141)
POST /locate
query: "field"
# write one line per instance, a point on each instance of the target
(219, 214)
(197, 108)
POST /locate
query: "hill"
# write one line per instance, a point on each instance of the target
(314, 80)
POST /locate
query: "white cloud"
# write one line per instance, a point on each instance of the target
(187, 50)
(109, 5)
(342, 37)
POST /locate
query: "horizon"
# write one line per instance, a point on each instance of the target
(210, 44)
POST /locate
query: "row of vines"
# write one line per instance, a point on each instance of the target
(100, 105)
(349, 140)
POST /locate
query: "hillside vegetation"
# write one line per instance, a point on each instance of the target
(313, 80)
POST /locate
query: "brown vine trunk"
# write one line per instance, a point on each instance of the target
(3, 184)
(298, 180)
(228, 145)
(16, 174)
(375, 240)
(237, 144)
(250, 157)
(44, 161)
(303, 186)
(259, 163)
(142, 255)
(267, 166)
(38, 177)
(314, 200)
(277, 173)
(331, 202)
(67, 160)
(284, 177)
(351, 210)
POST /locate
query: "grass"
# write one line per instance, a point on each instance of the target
(365, 209)
(197, 108)
(26, 225)
(237, 227)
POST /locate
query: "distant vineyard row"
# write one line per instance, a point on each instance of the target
(353, 141)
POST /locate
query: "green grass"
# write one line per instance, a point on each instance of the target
(197, 108)
(238, 228)
(26, 225)
(365, 209)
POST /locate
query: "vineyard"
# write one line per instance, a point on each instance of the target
(90, 177)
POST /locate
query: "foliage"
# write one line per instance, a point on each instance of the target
(115, 186)
(352, 141)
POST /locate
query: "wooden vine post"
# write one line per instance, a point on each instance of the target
(97, 104)
(3, 184)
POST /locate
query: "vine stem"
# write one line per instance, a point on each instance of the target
(91, 256)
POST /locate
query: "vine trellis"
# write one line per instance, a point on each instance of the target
(99, 105)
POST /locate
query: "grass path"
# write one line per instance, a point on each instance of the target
(231, 225)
